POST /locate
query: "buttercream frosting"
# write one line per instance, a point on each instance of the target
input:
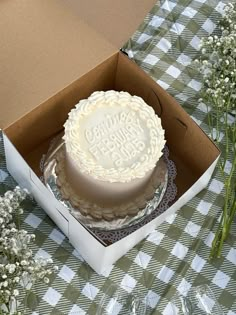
(114, 137)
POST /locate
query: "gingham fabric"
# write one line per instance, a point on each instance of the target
(174, 258)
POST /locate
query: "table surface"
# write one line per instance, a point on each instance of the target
(174, 258)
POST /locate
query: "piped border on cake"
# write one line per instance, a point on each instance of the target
(124, 99)
(87, 208)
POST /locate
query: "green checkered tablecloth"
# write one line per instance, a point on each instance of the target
(173, 258)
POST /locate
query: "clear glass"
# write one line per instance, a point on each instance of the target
(199, 300)
(120, 301)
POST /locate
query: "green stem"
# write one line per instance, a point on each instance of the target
(226, 228)
(227, 215)
(209, 118)
(226, 128)
(216, 239)
(220, 233)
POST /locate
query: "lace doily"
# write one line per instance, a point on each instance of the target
(109, 237)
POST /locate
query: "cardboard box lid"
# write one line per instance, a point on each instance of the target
(46, 45)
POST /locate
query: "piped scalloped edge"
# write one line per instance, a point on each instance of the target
(146, 112)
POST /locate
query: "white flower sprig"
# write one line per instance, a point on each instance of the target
(18, 267)
(217, 65)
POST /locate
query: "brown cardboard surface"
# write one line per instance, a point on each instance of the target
(115, 20)
(48, 118)
(190, 149)
(46, 45)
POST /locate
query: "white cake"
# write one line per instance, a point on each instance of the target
(113, 141)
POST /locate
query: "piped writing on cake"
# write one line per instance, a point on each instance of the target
(118, 137)
(114, 136)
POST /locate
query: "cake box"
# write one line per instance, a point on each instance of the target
(54, 53)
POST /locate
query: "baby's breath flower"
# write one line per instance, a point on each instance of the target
(46, 280)
(15, 292)
(15, 246)
(217, 65)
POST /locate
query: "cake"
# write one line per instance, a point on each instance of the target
(113, 141)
